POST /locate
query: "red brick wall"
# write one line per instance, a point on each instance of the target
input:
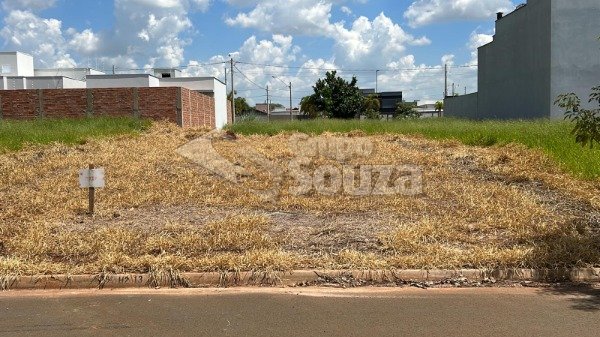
(158, 103)
(229, 112)
(197, 109)
(64, 103)
(113, 102)
(19, 104)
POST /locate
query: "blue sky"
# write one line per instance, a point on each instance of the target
(409, 41)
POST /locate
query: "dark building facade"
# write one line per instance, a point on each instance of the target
(541, 50)
(387, 100)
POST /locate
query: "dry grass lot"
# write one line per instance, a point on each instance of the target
(481, 207)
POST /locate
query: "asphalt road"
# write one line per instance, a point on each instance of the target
(303, 312)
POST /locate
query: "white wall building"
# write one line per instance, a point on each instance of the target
(79, 74)
(122, 81)
(16, 64)
(53, 82)
(18, 73)
(167, 72)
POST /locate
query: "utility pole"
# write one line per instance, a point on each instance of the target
(291, 106)
(377, 81)
(465, 90)
(232, 94)
(268, 105)
(446, 80)
(290, 87)
(113, 69)
(225, 76)
(453, 92)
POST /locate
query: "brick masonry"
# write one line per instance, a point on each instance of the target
(178, 105)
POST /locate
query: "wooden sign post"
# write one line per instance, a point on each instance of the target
(91, 178)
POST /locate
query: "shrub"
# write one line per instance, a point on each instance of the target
(587, 121)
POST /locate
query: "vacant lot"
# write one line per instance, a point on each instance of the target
(503, 205)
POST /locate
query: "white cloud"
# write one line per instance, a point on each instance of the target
(364, 42)
(148, 31)
(477, 40)
(305, 17)
(85, 42)
(43, 38)
(346, 10)
(31, 5)
(424, 12)
(372, 43)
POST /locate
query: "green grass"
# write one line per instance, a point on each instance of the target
(552, 137)
(14, 134)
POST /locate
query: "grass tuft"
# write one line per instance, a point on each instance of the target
(15, 134)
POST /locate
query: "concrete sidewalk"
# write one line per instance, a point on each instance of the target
(302, 312)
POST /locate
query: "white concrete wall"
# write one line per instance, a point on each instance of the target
(8, 65)
(122, 81)
(191, 83)
(153, 82)
(16, 64)
(76, 74)
(25, 64)
(53, 82)
(220, 95)
(44, 82)
(69, 83)
(174, 73)
(16, 83)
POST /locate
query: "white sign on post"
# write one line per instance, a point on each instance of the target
(91, 178)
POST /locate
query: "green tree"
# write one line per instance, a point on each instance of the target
(406, 110)
(587, 121)
(308, 106)
(371, 107)
(274, 106)
(241, 106)
(439, 106)
(336, 97)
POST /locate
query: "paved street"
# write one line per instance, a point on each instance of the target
(302, 312)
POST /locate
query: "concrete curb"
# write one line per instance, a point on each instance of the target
(293, 278)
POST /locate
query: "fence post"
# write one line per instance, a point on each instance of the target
(136, 102)
(89, 111)
(179, 107)
(40, 103)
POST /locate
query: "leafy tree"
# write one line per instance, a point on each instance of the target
(371, 107)
(336, 97)
(406, 110)
(274, 106)
(439, 106)
(308, 106)
(241, 106)
(587, 121)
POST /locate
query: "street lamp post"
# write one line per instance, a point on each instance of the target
(290, 87)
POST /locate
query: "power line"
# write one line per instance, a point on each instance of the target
(199, 65)
(355, 70)
(247, 78)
